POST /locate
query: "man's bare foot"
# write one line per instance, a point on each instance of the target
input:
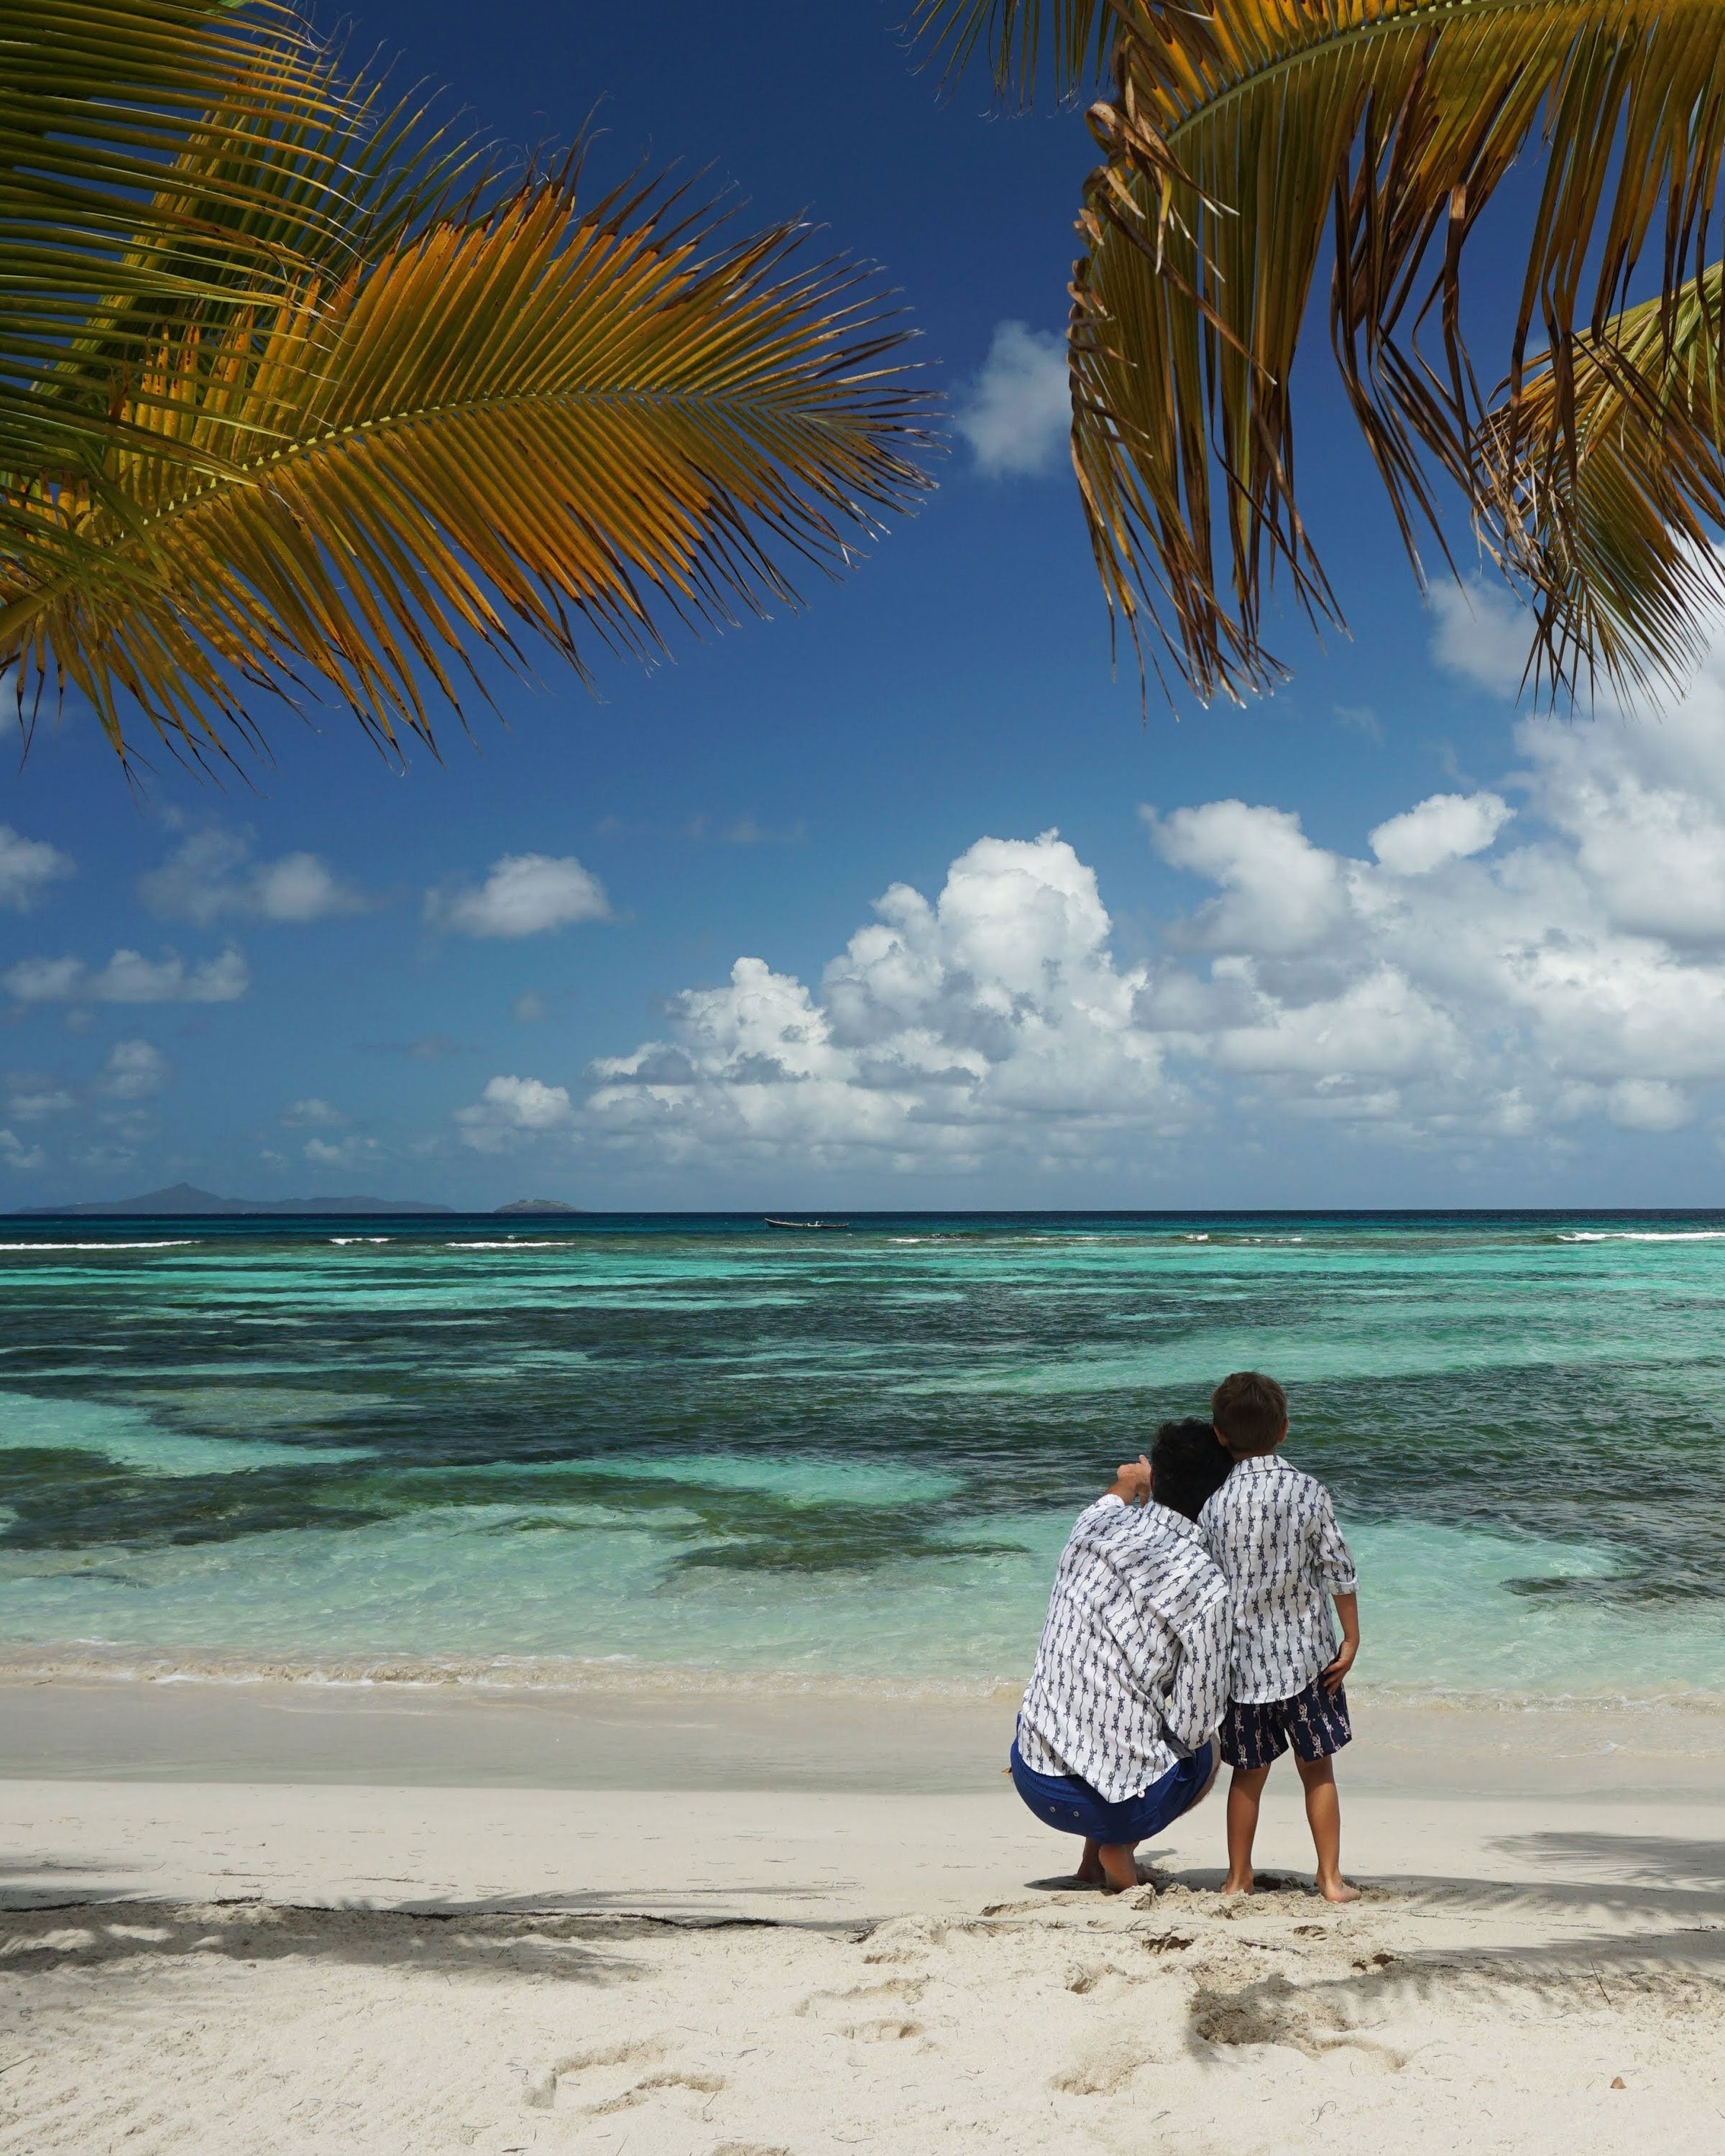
(1230, 1885)
(1090, 1871)
(1119, 1867)
(1337, 1890)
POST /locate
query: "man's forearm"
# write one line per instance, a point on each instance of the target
(1131, 1483)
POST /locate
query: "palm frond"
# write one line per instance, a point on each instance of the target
(161, 164)
(1612, 506)
(525, 419)
(129, 194)
(1019, 38)
(1240, 142)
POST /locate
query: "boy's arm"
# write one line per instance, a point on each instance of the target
(1347, 1609)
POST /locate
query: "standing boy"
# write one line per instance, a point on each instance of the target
(1273, 1535)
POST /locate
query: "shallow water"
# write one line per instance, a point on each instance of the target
(695, 1441)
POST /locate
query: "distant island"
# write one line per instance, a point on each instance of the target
(538, 1205)
(184, 1197)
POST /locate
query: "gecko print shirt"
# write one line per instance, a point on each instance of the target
(1272, 1533)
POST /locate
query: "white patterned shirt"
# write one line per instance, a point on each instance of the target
(1272, 1531)
(1131, 1674)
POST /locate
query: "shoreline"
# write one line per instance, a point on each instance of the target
(507, 1677)
(101, 1725)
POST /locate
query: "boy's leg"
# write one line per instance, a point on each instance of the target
(1324, 1816)
(1245, 1793)
(1090, 1870)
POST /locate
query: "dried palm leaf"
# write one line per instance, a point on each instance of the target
(1238, 143)
(1077, 35)
(1622, 532)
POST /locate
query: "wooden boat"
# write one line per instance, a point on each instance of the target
(810, 1227)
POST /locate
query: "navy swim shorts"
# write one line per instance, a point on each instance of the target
(1314, 1722)
(1062, 1801)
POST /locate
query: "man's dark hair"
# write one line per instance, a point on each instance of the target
(1188, 1465)
(1250, 1411)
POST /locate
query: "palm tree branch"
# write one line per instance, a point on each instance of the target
(532, 413)
(1233, 140)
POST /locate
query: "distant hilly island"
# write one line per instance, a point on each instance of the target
(184, 1197)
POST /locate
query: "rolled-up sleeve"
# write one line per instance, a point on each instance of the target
(1335, 1560)
(1199, 1691)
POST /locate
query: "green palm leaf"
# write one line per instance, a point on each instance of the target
(99, 105)
(352, 430)
(522, 420)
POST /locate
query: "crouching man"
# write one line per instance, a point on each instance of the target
(1116, 1736)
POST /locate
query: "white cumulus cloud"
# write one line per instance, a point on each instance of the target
(1447, 827)
(1017, 417)
(214, 873)
(1649, 1104)
(134, 1070)
(130, 977)
(354, 1151)
(1481, 632)
(31, 1096)
(523, 895)
(311, 1114)
(1279, 892)
(994, 1020)
(1466, 979)
(27, 866)
(511, 1109)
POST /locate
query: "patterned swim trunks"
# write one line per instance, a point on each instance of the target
(1314, 1722)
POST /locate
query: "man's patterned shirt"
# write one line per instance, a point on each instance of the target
(1131, 1674)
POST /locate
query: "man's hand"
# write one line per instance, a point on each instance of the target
(1132, 1481)
(1331, 1678)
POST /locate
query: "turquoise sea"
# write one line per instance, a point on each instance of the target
(499, 1448)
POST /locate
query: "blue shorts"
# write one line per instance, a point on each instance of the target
(1070, 1806)
(1314, 1722)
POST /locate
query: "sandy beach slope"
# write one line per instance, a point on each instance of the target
(449, 1958)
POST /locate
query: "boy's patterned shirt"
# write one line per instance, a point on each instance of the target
(1272, 1531)
(1131, 1674)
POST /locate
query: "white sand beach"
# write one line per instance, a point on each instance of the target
(290, 1918)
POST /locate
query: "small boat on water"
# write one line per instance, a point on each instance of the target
(810, 1227)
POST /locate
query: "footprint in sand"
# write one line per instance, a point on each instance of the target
(703, 2084)
(1275, 2012)
(893, 1990)
(542, 2085)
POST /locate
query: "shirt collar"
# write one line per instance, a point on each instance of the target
(1260, 1463)
(1162, 1517)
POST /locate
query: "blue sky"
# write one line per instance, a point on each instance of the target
(1209, 989)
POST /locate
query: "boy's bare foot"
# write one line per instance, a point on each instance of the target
(1337, 1890)
(1230, 1885)
(1090, 1871)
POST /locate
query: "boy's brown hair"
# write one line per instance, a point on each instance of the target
(1250, 1412)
